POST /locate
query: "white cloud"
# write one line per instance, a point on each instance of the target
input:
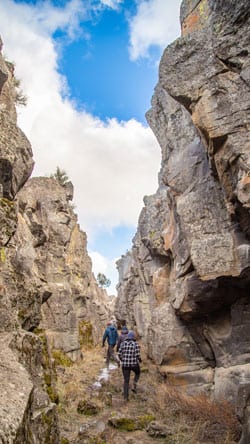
(114, 4)
(154, 24)
(68, 18)
(101, 264)
(111, 164)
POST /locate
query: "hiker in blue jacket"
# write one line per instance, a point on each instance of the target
(111, 336)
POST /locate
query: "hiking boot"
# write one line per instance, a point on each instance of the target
(134, 389)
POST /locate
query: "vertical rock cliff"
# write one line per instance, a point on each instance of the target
(49, 299)
(185, 284)
(25, 407)
(52, 251)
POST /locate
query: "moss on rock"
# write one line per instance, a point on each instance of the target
(2, 255)
(85, 333)
(130, 424)
(49, 372)
(87, 407)
(64, 440)
(60, 358)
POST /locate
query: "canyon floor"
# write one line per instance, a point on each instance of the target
(92, 409)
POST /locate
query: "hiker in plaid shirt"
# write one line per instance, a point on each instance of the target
(130, 357)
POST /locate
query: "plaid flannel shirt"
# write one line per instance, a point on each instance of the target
(129, 353)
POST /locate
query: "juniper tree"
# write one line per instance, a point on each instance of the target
(103, 281)
(61, 176)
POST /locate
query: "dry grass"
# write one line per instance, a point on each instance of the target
(196, 418)
(191, 419)
(76, 380)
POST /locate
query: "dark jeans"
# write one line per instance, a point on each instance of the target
(126, 375)
(111, 354)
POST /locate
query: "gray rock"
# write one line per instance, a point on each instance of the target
(55, 257)
(16, 390)
(92, 430)
(16, 162)
(158, 430)
(49, 298)
(184, 286)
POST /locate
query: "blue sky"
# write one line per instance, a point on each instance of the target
(122, 79)
(88, 68)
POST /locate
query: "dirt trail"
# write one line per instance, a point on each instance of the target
(94, 412)
(83, 387)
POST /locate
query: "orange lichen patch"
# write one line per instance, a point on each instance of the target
(191, 23)
(161, 284)
(197, 19)
(167, 240)
(245, 181)
(168, 233)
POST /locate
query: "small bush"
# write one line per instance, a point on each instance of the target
(208, 419)
(20, 98)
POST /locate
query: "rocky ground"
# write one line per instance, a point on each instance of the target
(92, 409)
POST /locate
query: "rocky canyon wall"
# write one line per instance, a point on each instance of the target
(49, 299)
(185, 284)
(53, 251)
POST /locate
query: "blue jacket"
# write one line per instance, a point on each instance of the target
(111, 335)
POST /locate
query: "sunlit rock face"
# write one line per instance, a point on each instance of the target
(186, 280)
(27, 414)
(49, 298)
(16, 162)
(53, 251)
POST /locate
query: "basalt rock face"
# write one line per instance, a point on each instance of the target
(16, 162)
(27, 414)
(49, 299)
(185, 284)
(53, 252)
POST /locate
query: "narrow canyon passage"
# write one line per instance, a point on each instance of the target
(92, 408)
(183, 286)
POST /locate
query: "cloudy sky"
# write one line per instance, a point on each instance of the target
(89, 68)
